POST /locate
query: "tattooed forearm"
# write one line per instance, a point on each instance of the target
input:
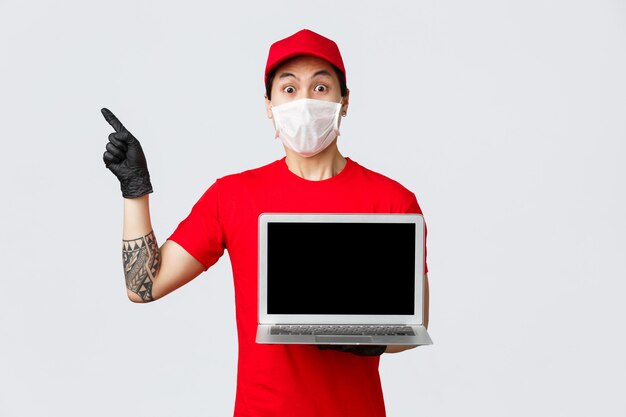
(141, 262)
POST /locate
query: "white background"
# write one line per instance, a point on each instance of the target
(507, 120)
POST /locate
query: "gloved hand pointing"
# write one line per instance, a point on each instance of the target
(125, 158)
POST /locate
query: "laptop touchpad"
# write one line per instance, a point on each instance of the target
(344, 339)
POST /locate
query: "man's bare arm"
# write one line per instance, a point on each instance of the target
(401, 348)
(140, 253)
(152, 272)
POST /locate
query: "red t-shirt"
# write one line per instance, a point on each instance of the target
(288, 380)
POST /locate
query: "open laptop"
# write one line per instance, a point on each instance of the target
(350, 279)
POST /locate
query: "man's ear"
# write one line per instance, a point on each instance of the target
(268, 107)
(345, 102)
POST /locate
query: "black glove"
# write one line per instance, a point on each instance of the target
(360, 350)
(125, 158)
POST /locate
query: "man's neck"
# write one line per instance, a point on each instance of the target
(324, 165)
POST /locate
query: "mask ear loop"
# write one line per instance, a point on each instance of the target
(343, 113)
(336, 127)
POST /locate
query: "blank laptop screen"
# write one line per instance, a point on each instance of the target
(341, 268)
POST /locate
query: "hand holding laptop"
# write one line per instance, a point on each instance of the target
(360, 350)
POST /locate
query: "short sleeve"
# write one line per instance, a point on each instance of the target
(200, 233)
(415, 208)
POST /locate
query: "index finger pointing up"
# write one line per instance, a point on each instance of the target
(113, 121)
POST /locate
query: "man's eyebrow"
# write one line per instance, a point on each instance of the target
(286, 74)
(322, 72)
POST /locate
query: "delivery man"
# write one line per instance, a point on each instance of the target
(306, 97)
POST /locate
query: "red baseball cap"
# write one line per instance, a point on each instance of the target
(304, 42)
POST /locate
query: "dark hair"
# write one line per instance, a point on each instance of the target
(340, 76)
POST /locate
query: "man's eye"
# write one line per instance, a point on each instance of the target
(320, 88)
(289, 89)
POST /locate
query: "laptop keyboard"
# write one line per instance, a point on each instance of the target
(342, 330)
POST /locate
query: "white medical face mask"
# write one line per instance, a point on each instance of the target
(307, 126)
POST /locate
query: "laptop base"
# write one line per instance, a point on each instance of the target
(263, 336)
